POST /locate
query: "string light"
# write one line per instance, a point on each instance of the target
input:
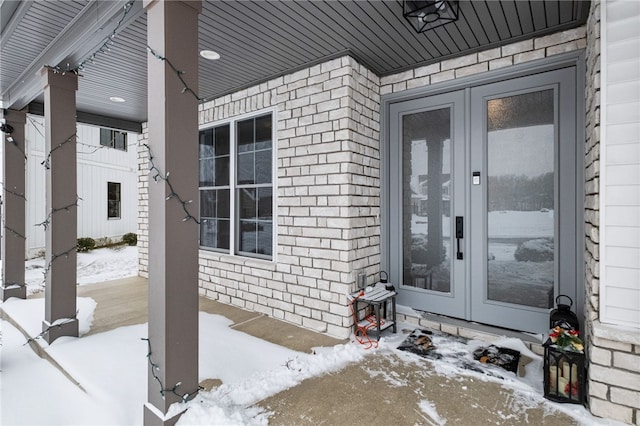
(15, 233)
(94, 148)
(46, 163)
(154, 368)
(185, 87)
(19, 195)
(55, 325)
(158, 176)
(64, 254)
(45, 223)
(103, 49)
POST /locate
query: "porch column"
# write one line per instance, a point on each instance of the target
(61, 204)
(172, 31)
(13, 197)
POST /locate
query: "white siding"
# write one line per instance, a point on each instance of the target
(96, 167)
(620, 164)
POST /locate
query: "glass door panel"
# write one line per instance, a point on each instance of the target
(521, 133)
(426, 180)
(427, 193)
(523, 220)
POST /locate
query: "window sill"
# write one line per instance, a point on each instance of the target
(236, 259)
(616, 333)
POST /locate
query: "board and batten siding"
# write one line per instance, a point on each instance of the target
(96, 166)
(620, 164)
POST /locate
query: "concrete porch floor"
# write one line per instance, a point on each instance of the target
(382, 389)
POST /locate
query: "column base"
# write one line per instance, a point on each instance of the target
(153, 417)
(13, 291)
(67, 327)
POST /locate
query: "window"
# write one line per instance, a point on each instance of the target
(113, 200)
(113, 139)
(236, 189)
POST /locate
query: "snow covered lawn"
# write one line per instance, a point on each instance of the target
(96, 266)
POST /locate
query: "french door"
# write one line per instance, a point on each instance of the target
(483, 200)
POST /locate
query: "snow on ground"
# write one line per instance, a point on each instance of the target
(112, 368)
(98, 265)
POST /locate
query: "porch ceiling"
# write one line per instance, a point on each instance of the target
(257, 41)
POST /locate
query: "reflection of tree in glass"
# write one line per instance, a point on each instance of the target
(521, 193)
(432, 129)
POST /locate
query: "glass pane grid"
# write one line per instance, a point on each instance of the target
(252, 186)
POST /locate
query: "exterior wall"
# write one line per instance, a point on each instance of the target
(328, 188)
(611, 211)
(620, 151)
(96, 167)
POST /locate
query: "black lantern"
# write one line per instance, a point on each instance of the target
(564, 374)
(426, 15)
(563, 315)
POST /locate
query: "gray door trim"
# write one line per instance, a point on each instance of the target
(569, 59)
(452, 303)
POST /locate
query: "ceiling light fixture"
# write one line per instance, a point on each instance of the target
(210, 54)
(426, 15)
(116, 99)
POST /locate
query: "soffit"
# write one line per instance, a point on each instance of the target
(259, 40)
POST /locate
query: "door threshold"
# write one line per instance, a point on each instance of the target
(469, 329)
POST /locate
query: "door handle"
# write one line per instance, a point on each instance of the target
(459, 235)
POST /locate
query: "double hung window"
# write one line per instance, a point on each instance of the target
(113, 139)
(236, 187)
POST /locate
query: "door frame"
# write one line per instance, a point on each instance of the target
(523, 317)
(574, 59)
(445, 301)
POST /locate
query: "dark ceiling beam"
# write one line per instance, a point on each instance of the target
(84, 35)
(37, 108)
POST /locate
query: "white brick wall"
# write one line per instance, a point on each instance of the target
(143, 203)
(491, 59)
(328, 197)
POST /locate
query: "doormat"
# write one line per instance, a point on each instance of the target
(455, 350)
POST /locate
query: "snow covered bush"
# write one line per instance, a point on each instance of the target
(130, 239)
(86, 244)
(538, 250)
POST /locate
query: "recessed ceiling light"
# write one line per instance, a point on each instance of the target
(116, 99)
(210, 54)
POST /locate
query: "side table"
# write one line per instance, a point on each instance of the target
(377, 297)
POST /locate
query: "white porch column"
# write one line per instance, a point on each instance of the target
(172, 28)
(61, 204)
(13, 218)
